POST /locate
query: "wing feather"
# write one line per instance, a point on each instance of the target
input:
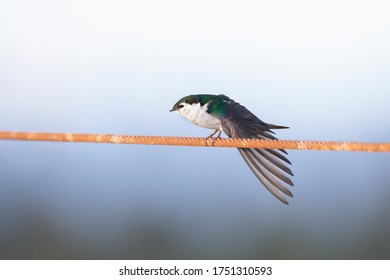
(269, 165)
(251, 163)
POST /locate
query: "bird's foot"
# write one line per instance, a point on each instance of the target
(212, 139)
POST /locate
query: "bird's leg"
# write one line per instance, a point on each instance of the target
(211, 136)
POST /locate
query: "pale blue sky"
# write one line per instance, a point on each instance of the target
(320, 67)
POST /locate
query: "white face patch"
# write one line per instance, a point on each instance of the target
(197, 115)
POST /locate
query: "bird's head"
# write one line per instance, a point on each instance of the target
(184, 103)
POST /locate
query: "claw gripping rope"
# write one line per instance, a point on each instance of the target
(196, 141)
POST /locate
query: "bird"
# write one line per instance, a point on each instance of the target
(223, 114)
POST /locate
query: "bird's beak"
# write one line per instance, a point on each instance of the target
(173, 109)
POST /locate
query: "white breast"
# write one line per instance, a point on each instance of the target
(197, 115)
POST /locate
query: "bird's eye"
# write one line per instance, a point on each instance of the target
(180, 106)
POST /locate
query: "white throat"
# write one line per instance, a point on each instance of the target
(197, 115)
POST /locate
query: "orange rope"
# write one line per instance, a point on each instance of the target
(195, 141)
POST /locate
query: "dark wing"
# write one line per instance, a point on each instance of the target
(269, 165)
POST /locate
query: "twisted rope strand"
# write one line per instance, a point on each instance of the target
(196, 141)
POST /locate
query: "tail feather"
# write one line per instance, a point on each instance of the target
(274, 126)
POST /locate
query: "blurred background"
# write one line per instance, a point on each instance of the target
(319, 67)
